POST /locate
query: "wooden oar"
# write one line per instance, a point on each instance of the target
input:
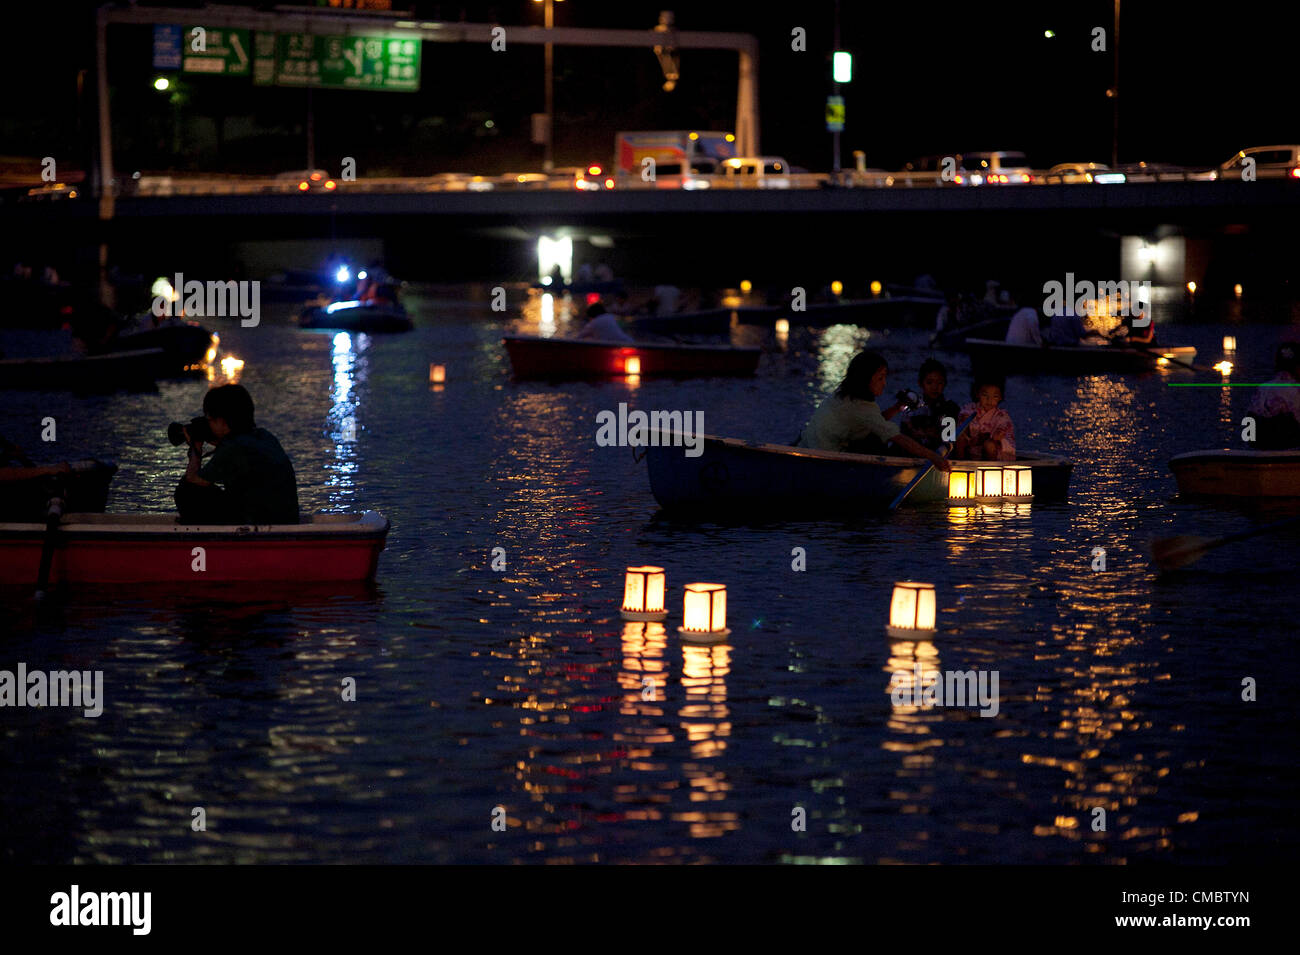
(1171, 553)
(53, 518)
(926, 470)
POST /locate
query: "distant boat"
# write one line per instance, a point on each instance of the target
(1004, 358)
(758, 481)
(357, 317)
(1237, 473)
(533, 357)
(156, 548)
(185, 343)
(89, 373)
(85, 488)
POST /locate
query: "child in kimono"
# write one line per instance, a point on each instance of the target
(991, 436)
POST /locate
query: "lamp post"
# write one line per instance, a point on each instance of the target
(1114, 93)
(548, 162)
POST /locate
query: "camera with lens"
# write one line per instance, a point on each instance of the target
(908, 399)
(198, 428)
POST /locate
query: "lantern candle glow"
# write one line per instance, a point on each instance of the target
(959, 484)
(632, 365)
(988, 482)
(704, 609)
(437, 374)
(1229, 344)
(643, 594)
(1017, 481)
(911, 610)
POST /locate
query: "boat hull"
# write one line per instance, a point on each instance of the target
(738, 478)
(1237, 474)
(566, 358)
(1007, 359)
(85, 489)
(88, 373)
(363, 318)
(153, 548)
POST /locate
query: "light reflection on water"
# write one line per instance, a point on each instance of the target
(520, 687)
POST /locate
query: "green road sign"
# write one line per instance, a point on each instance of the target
(215, 50)
(337, 62)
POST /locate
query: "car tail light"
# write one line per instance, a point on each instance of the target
(958, 180)
(609, 183)
(594, 170)
(580, 183)
(1028, 178)
(1295, 173)
(303, 187)
(330, 184)
(593, 298)
(315, 177)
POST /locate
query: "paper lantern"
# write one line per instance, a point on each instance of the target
(988, 482)
(704, 609)
(1017, 481)
(643, 594)
(912, 609)
(960, 484)
(437, 374)
(632, 365)
(1229, 343)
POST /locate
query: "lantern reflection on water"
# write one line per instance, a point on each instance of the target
(912, 609)
(704, 609)
(643, 594)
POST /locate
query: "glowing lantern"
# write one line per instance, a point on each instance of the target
(837, 287)
(1191, 287)
(632, 365)
(746, 286)
(783, 326)
(959, 484)
(1236, 290)
(912, 609)
(705, 611)
(988, 482)
(437, 374)
(876, 287)
(643, 594)
(1224, 368)
(1229, 343)
(1017, 481)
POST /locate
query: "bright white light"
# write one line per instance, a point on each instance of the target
(842, 66)
(339, 306)
(361, 274)
(343, 274)
(342, 344)
(553, 252)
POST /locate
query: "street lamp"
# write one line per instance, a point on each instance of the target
(548, 163)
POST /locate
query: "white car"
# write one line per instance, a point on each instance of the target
(757, 172)
(1271, 162)
(993, 169)
(1082, 172)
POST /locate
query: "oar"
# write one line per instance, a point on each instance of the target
(1171, 553)
(1154, 350)
(926, 470)
(53, 517)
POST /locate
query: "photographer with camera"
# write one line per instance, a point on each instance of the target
(247, 480)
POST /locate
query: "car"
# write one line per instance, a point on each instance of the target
(589, 178)
(756, 172)
(1163, 172)
(1271, 162)
(49, 190)
(1066, 172)
(310, 180)
(993, 169)
(523, 180)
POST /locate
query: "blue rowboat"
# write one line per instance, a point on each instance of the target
(758, 480)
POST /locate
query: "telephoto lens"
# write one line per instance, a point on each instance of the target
(198, 428)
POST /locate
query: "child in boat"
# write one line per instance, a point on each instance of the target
(924, 422)
(851, 420)
(1277, 410)
(991, 436)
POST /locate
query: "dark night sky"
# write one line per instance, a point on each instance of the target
(929, 78)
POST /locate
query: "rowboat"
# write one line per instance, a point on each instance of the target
(84, 486)
(755, 479)
(88, 373)
(561, 358)
(357, 317)
(1237, 473)
(1008, 359)
(154, 548)
(185, 343)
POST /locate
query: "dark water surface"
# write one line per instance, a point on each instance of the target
(522, 688)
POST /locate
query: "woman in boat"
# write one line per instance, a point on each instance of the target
(923, 421)
(991, 436)
(851, 420)
(1276, 410)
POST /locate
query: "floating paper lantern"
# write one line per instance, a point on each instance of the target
(746, 286)
(876, 287)
(643, 594)
(1236, 290)
(988, 482)
(912, 609)
(1017, 481)
(1229, 344)
(632, 365)
(704, 610)
(960, 484)
(437, 374)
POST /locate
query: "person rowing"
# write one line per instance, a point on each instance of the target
(851, 420)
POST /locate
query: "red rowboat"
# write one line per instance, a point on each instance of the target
(154, 548)
(556, 358)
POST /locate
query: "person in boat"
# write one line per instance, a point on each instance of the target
(991, 436)
(1066, 329)
(665, 299)
(603, 326)
(851, 420)
(16, 466)
(1025, 328)
(923, 421)
(1276, 410)
(248, 479)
